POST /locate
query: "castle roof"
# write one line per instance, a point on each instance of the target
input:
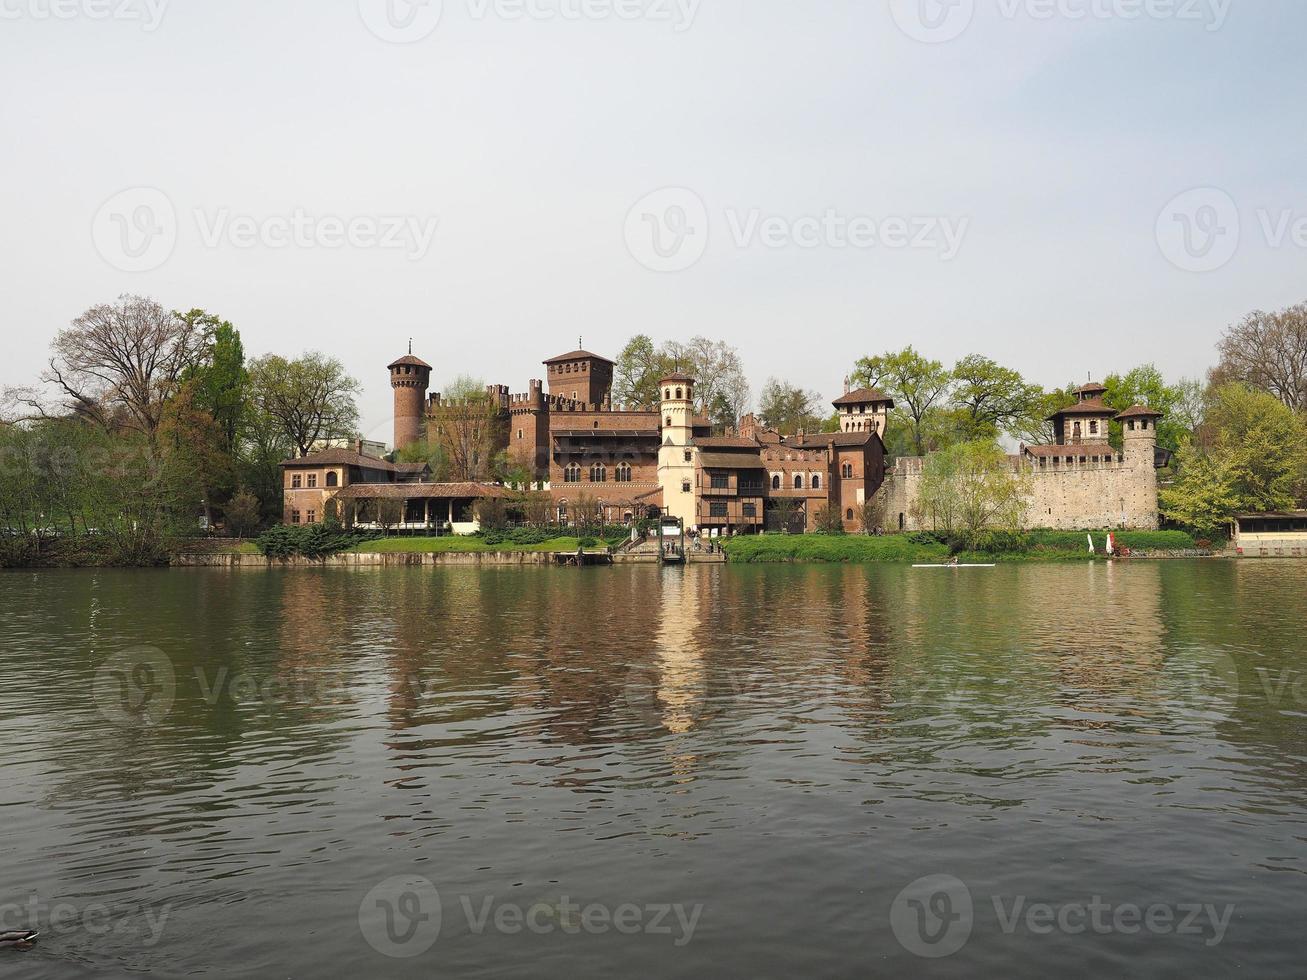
(1091, 389)
(409, 360)
(864, 396)
(676, 376)
(1141, 412)
(1090, 406)
(820, 440)
(578, 355)
(731, 461)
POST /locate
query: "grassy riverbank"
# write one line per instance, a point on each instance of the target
(1034, 546)
(459, 545)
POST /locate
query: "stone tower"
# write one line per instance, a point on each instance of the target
(580, 377)
(1139, 444)
(410, 377)
(676, 454)
(863, 410)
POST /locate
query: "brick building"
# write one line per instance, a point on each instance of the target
(635, 460)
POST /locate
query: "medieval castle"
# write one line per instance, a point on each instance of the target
(638, 461)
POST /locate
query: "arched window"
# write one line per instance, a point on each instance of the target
(798, 481)
(848, 514)
(816, 483)
(667, 394)
(848, 471)
(332, 479)
(678, 394)
(624, 473)
(598, 473)
(572, 474)
(775, 482)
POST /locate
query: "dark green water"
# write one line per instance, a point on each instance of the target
(1097, 770)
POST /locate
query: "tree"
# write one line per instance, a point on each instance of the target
(310, 398)
(118, 364)
(637, 372)
(467, 432)
(916, 384)
(244, 514)
(219, 379)
(970, 488)
(1202, 497)
(1034, 426)
(990, 399)
(194, 440)
(1262, 446)
(870, 514)
(828, 521)
(1145, 385)
(1268, 351)
(788, 408)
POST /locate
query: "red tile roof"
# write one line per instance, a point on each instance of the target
(864, 396)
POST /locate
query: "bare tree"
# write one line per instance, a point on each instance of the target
(468, 430)
(1269, 351)
(117, 364)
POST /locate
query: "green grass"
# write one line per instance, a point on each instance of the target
(459, 545)
(1033, 546)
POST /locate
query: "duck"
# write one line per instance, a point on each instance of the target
(22, 939)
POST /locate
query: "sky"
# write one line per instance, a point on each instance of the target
(1072, 187)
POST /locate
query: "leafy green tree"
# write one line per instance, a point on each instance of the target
(969, 488)
(219, 381)
(1145, 385)
(989, 399)
(311, 398)
(638, 370)
(917, 384)
(1262, 445)
(1202, 498)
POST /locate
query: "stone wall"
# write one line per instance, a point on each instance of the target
(1073, 498)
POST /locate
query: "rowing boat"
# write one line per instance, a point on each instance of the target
(955, 566)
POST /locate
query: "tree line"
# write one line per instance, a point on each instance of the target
(151, 421)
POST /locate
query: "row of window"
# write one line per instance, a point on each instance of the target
(798, 481)
(598, 473)
(299, 481)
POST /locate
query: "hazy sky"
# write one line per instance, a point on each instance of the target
(837, 178)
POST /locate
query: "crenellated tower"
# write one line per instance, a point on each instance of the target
(676, 453)
(410, 377)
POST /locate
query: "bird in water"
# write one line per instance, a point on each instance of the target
(22, 939)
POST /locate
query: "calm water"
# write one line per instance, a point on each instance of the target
(710, 771)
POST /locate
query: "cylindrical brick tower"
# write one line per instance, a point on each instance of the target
(410, 377)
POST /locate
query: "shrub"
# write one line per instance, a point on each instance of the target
(309, 540)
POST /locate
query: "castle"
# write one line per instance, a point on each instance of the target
(635, 462)
(575, 442)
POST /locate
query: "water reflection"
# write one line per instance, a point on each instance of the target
(785, 744)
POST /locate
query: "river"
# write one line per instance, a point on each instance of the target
(761, 771)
